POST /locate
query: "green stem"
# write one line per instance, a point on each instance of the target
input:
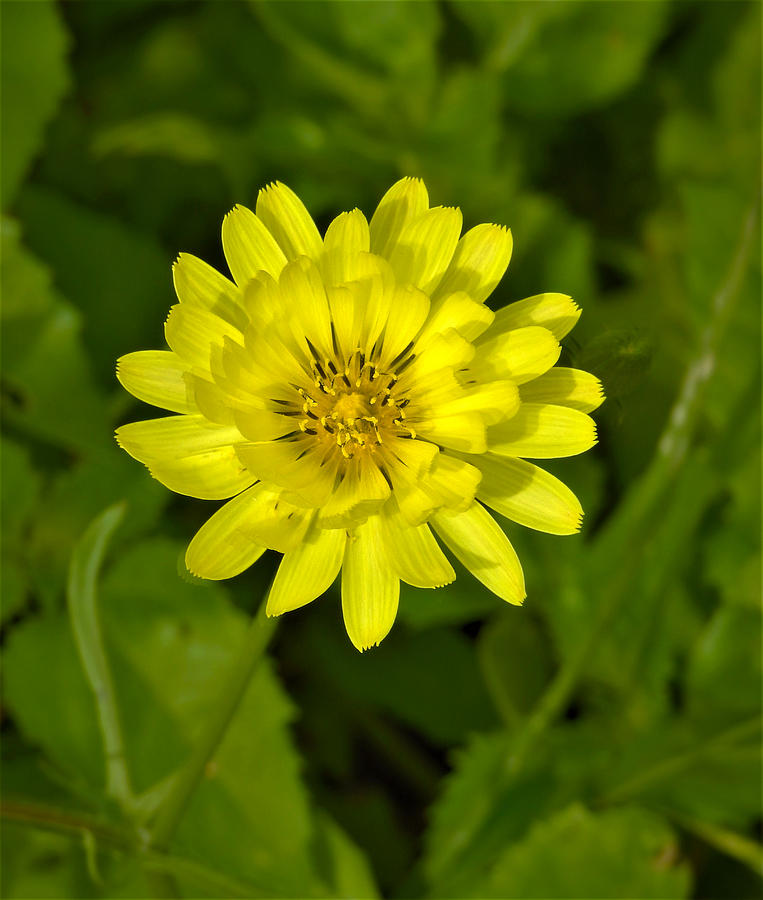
(558, 693)
(666, 768)
(250, 654)
(412, 763)
(122, 840)
(83, 613)
(737, 846)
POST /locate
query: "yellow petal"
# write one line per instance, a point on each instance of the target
(343, 317)
(308, 308)
(345, 237)
(189, 455)
(520, 355)
(220, 549)
(557, 312)
(459, 312)
(213, 402)
(565, 387)
(372, 301)
(249, 247)
(191, 330)
(408, 312)
(453, 482)
(543, 431)
(215, 475)
(413, 458)
(407, 199)
(286, 218)
(424, 247)
(493, 400)
(444, 351)
(263, 424)
(273, 522)
(477, 541)
(307, 571)
(370, 587)
(200, 284)
(294, 465)
(362, 490)
(407, 463)
(416, 504)
(528, 494)
(173, 436)
(462, 431)
(156, 377)
(414, 553)
(269, 367)
(479, 262)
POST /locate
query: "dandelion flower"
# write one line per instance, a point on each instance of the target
(357, 400)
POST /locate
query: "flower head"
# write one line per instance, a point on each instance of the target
(353, 393)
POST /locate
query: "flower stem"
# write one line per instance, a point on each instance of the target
(250, 654)
(85, 621)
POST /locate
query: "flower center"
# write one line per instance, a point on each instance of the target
(353, 406)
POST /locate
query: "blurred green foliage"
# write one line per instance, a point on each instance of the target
(602, 741)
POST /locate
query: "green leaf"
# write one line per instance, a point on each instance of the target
(349, 874)
(533, 44)
(39, 864)
(692, 768)
(429, 681)
(515, 661)
(31, 31)
(724, 673)
(466, 600)
(47, 695)
(128, 287)
(478, 814)
(731, 553)
(19, 494)
(626, 853)
(48, 381)
(170, 645)
(73, 498)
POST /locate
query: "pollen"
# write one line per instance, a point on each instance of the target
(353, 405)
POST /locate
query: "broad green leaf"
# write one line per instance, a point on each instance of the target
(516, 665)
(731, 554)
(699, 769)
(170, 645)
(39, 864)
(72, 499)
(347, 870)
(19, 493)
(533, 46)
(724, 674)
(48, 390)
(176, 136)
(46, 693)
(31, 94)
(478, 814)
(429, 681)
(625, 853)
(128, 287)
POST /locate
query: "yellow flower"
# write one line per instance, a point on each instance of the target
(353, 392)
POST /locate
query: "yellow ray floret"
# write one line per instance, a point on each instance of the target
(356, 403)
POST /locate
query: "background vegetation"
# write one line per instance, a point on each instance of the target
(603, 741)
